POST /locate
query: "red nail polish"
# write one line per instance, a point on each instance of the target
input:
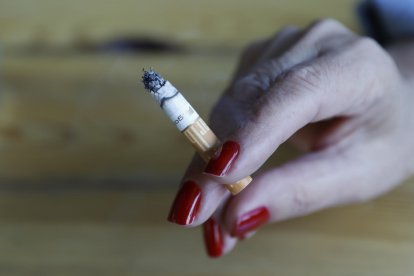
(186, 204)
(220, 164)
(251, 221)
(213, 238)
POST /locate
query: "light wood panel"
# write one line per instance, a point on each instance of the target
(201, 23)
(84, 231)
(89, 164)
(67, 113)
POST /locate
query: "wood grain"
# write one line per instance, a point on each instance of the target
(81, 231)
(89, 164)
(67, 113)
(203, 23)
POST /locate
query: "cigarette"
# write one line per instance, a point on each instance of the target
(187, 120)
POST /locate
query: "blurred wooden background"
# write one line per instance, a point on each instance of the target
(89, 164)
(72, 104)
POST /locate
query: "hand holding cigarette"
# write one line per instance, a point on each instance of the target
(338, 97)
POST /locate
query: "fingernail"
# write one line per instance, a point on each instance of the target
(213, 238)
(250, 221)
(186, 204)
(220, 164)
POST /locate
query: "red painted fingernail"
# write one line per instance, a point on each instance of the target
(251, 221)
(220, 164)
(213, 238)
(186, 204)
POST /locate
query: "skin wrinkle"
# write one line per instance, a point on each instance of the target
(367, 100)
(358, 104)
(250, 87)
(297, 77)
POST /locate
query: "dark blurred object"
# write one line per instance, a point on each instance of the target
(128, 44)
(136, 45)
(387, 20)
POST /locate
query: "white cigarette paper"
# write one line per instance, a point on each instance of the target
(175, 106)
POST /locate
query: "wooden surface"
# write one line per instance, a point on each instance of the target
(89, 164)
(69, 111)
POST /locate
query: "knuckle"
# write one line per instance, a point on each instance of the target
(288, 29)
(366, 44)
(320, 34)
(276, 65)
(256, 82)
(378, 58)
(261, 77)
(368, 47)
(308, 77)
(325, 24)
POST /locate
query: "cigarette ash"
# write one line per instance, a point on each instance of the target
(152, 80)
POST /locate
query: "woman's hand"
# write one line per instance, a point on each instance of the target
(337, 96)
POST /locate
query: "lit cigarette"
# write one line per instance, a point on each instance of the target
(186, 119)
